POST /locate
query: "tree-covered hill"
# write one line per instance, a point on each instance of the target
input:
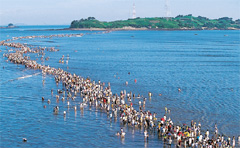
(178, 22)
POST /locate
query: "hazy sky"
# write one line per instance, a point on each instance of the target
(53, 12)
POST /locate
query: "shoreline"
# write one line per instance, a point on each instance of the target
(9, 27)
(130, 29)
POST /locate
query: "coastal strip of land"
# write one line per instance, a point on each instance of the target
(130, 29)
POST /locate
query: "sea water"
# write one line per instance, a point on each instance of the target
(205, 65)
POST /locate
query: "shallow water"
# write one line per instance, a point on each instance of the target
(204, 64)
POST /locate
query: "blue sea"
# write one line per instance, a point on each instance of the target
(205, 65)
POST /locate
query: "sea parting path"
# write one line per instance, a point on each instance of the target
(117, 106)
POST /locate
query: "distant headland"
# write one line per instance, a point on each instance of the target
(180, 22)
(10, 26)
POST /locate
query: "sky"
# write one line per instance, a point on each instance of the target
(63, 12)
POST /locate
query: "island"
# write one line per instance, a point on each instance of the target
(180, 22)
(10, 25)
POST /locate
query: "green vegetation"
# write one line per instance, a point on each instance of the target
(10, 25)
(178, 22)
